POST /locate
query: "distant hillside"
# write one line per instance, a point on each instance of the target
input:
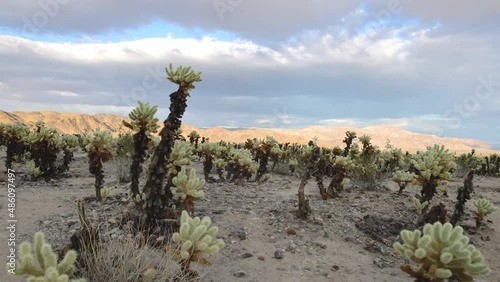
(327, 136)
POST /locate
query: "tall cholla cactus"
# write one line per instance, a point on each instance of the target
(194, 138)
(432, 166)
(44, 144)
(100, 147)
(263, 154)
(341, 167)
(42, 266)
(442, 252)
(196, 239)
(144, 124)
(208, 152)
(158, 197)
(189, 188)
(69, 144)
(349, 138)
(484, 208)
(403, 178)
(11, 136)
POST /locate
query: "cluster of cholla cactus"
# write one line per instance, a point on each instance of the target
(143, 123)
(489, 165)
(195, 240)
(100, 147)
(432, 167)
(159, 198)
(442, 252)
(69, 144)
(39, 263)
(484, 208)
(342, 166)
(44, 146)
(262, 150)
(240, 165)
(12, 136)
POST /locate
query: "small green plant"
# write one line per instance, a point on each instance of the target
(442, 252)
(484, 208)
(41, 265)
(196, 238)
(106, 191)
(420, 206)
(33, 170)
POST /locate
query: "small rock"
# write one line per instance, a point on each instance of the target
(241, 234)
(261, 258)
(291, 232)
(239, 274)
(246, 255)
(279, 254)
(335, 267)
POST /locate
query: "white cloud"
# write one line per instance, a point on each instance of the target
(63, 93)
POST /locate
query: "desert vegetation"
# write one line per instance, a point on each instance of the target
(163, 190)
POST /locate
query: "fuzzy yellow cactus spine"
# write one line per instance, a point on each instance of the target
(42, 266)
(484, 208)
(189, 188)
(442, 252)
(196, 238)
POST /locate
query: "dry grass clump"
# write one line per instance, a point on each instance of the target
(126, 260)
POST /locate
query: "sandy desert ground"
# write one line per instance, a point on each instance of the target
(345, 239)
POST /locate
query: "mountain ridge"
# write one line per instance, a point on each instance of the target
(327, 136)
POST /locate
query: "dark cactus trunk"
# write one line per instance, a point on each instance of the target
(159, 199)
(141, 142)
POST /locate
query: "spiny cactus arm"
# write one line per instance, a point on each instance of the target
(442, 251)
(188, 186)
(484, 207)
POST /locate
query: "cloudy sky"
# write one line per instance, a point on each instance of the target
(425, 66)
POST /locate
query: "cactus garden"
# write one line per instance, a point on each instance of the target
(196, 209)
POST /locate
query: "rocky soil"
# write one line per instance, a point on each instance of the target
(345, 239)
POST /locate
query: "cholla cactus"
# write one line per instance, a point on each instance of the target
(341, 166)
(33, 169)
(403, 178)
(196, 238)
(208, 152)
(442, 252)
(42, 266)
(182, 155)
(159, 197)
(189, 188)
(69, 144)
(484, 208)
(194, 138)
(241, 165)
(433, 166)
(348, 139)
(263, 151)
(419, 205)
(44, 144)
(220, 165)
(143, 123)
(100, 147)
(11, 136)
